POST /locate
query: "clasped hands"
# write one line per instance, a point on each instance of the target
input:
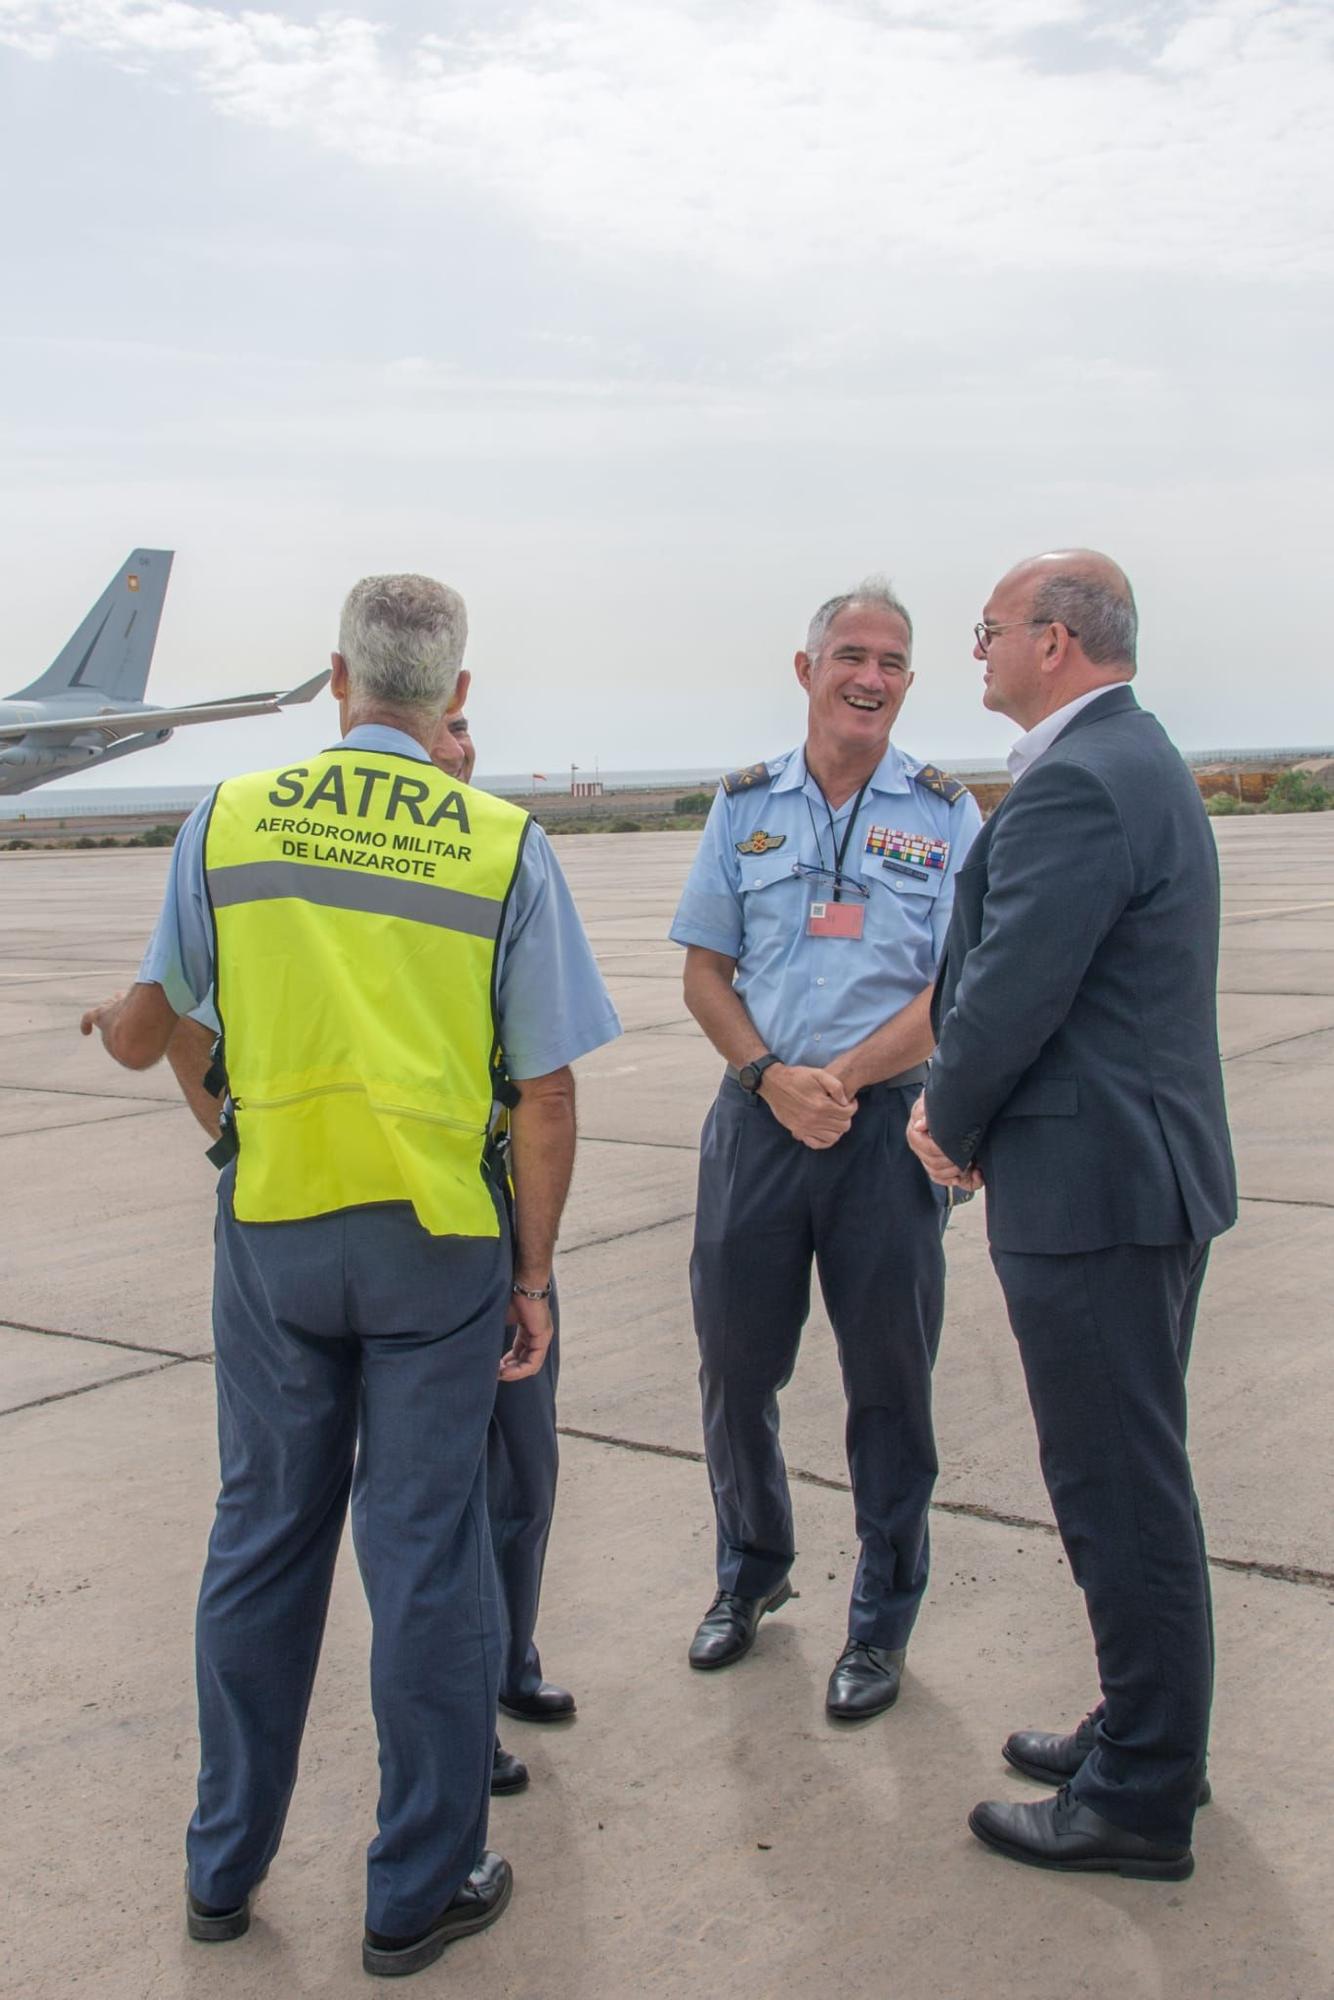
(939, 1166)
(816, 1107)
(813, 1104)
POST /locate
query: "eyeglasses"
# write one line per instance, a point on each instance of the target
(848, 884)
(984, 633)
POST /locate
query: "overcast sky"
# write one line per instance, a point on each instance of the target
(651, 325)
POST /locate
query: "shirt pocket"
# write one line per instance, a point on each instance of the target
(898, 878)
(764, 871)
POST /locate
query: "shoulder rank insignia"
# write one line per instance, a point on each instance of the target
(747, 780)
(760, 842)
(945, 787)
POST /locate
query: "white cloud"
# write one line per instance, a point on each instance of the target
(745, 142)
(835, 287)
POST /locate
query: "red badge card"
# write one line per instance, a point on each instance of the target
(836, 920)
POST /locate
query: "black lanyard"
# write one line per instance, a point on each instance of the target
(840, 850)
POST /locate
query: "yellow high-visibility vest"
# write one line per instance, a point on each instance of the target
(358, 900)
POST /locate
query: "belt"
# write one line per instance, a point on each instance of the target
(903, 1081)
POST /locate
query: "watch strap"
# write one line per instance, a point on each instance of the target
(749, 1074)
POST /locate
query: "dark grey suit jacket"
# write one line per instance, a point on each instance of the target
(1075, 1010)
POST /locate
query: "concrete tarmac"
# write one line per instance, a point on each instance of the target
(689, 1834)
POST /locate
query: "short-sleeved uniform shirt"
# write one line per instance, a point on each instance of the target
(551, 1002)
(768, 853)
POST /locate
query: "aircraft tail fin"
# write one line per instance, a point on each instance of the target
(112, 650)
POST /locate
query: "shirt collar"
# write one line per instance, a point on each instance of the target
(1025, 750)
(891, 774)
(379, 736)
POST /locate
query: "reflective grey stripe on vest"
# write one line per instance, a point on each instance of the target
(343, 889)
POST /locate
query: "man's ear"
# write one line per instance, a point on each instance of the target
(1055, 647)
(461, 686)
(337, 676)
(804, 666)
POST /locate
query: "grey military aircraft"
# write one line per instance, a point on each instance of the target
(88, 706)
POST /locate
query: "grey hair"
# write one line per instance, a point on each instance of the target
(403, 639)
(875, 591)
(1103, 614)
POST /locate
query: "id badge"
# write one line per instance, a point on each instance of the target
(836, 920)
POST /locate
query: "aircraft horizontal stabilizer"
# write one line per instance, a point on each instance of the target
(269, 698)
(307, 690)
(114, 724)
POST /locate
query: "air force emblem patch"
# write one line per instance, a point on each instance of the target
(760, 842)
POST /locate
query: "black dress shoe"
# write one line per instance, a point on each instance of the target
(865, 1681)
(208, 1925)
(546, 1703)
(1051, 1759)
(1062, 1833)
(478, 1903)
(508, 1773)
(1041, 1753)
(727, 1630)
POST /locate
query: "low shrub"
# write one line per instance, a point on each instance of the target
(1298, 792)
(1221, 805)
(693, 802)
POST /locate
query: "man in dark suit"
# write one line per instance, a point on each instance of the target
(1077, 1075)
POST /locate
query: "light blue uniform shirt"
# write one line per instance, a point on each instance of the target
(811, 998)
(552, 1004)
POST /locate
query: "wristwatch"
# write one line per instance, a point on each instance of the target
(748, 1076)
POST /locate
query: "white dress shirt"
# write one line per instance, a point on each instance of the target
(1026, 749)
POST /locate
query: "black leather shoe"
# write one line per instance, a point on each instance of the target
(1051, 1759)
(1041, 1753)
(508, 1773)
(727, 1630)
(207, 1925)
(864, 1682)
(546, 1704)
(478, 1903)
(1062, 1833)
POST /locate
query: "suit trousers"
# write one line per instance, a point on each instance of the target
(320, 1323)
(870, 1218)
(1104, 1337)
(522, 1461)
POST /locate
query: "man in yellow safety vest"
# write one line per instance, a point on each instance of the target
(374, 933)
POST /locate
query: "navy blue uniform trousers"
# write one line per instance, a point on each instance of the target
(1105, 1338)
(318, 1323)
(522, 1461)
(870, 1218)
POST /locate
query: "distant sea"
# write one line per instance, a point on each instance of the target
(49, 802)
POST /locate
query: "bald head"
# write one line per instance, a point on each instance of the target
(1056, 627)
(1090, 595)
